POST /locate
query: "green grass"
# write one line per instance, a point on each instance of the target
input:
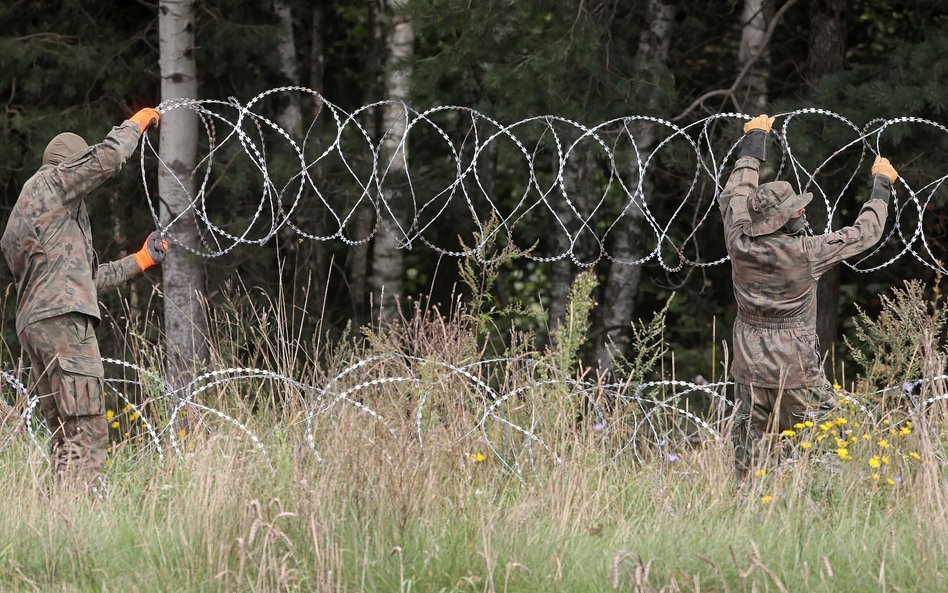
(396, 511)
(398, 517)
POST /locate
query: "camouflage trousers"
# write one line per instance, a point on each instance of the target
(763, 413)
(67, 376)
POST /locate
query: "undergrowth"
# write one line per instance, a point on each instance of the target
(439, 463)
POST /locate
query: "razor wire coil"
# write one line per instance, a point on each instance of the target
(376, 177)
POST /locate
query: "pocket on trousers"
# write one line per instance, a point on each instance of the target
(823, 398)
(81, 391)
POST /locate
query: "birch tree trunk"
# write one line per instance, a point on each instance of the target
(290, 117)
(388, 260)
(752, 93)
(622, 283)
(827, 55)
(317, 53)
(309, 257)
(183, 274)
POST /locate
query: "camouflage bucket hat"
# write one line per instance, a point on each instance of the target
(771, 206)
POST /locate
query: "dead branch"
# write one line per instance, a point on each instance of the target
(729, 92)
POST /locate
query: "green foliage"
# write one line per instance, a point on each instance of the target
(369, 509)
(84, 66)
(573, 330)
(508, 58)
(479, 272)
(894, 347)
(647, 346)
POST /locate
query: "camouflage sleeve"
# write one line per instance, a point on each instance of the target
(114, 273)
(825, 251)
(741, 183)
(733, 199)
(78, 175)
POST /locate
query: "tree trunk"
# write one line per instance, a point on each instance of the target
(578, 180)
(827, 51)
(357, 262)
(119, 238)
(561, 276)
(317, 61)
(290, 117)
(388, 259)
(655, 40)
(317, 52)
(622, 283)
(752, 93)
(827, 55)
(307, 258)
(183, 274)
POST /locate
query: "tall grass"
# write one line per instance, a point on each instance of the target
(471, 506)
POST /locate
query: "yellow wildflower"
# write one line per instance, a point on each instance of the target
(885, 459)
(908, 423)
(905, 431)
(853, 439)
(883, 443)
(841, 442)
(789, 433)
(892, 432)
(915, 456)
(820, 437)
(837, 386)
(115, 424)
(875, 476)
(874, 461)
(886, 421)
(866, 437)
(841, 421)
(808, 424)
(766, 499)
(478, 457)
(806, 445)
(890, 481)
(799, 426)
(181, 433)
(826, 426)
(126, 407)
(109, 414)
(843, 454)
(133, 417)
(760, 473)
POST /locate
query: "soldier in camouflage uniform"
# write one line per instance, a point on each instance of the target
(775, 267)
(48, 245)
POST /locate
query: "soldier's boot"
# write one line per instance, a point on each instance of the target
(751, 447)
(79, 459)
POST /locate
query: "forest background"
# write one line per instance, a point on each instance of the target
(85, 66)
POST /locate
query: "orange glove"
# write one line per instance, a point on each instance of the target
(761, 122)
(152, 252)
(882, 166)
(146, 118)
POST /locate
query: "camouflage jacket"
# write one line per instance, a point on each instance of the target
(775, 279)
(48, 239)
